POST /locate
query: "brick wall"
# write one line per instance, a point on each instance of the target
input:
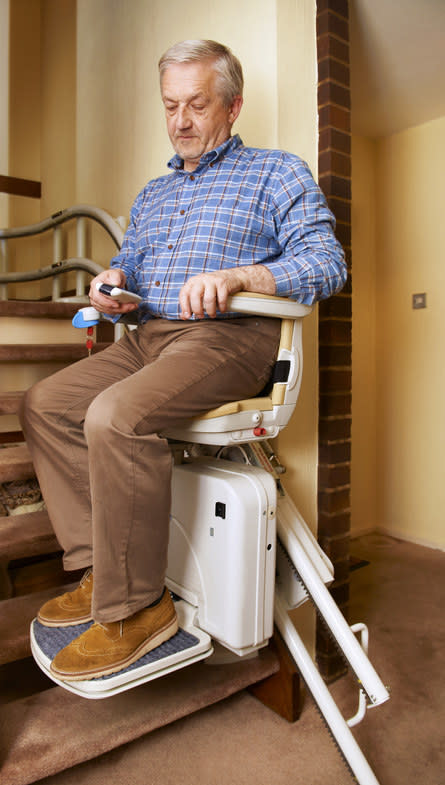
(335, 314)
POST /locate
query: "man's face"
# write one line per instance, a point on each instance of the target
(197, 120)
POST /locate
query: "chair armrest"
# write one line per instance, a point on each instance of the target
(267, 305)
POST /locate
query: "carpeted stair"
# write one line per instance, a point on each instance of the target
(54, 730)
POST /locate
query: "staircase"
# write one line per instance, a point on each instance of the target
(30, 564)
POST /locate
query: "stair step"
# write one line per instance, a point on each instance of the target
(10, 402)
(33, 308)
(16, 615)
(50, 731)
(56, 352)
(15, 464)
(29, 534)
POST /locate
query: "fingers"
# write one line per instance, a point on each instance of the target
(202, 295)
(104, 304)
(198, 298)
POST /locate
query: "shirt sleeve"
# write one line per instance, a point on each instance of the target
(126, 259)
(311, 265)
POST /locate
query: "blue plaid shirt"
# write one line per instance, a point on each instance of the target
(239, 206)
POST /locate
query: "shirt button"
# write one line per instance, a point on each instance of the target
(170, 246)
(192, 177)
(157, 283)
(182, 212)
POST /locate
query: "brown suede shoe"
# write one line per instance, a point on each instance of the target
(73, 607)
(108, 648)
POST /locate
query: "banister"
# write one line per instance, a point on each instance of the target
(79, 263)
(76, 263)
(81, 210)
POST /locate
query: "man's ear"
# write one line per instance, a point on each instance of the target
(235, 108)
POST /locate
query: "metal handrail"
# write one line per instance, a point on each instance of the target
(80, 263)
(77, 211)
(76, 263)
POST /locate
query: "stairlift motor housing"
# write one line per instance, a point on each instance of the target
(221, 556)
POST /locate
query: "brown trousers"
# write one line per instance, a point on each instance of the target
(104, 471)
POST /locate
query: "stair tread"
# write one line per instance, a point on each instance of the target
(28, 534)
(16, 614)
(42, 309)
(46, 352)
(15, 463)
(10, 401)
(52, 730)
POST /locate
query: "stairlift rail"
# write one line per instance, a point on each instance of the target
(314, 682)
(339, 628)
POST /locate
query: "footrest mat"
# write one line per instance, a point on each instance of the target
(189, 644)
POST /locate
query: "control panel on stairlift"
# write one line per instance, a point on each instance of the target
(240, 554)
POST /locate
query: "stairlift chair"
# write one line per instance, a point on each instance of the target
(240, 554)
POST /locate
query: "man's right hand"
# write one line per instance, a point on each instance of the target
(103, 303)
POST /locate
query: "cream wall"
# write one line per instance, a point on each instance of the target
(411, 368)
(24, 117)
(405, 490)
(120, 124)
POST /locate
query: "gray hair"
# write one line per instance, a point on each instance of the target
(226, 65)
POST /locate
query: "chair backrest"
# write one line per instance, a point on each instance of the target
(254, 419)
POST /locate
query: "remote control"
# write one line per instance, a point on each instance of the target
(122, 295)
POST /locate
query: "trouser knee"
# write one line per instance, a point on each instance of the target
(109, 418)
(33, 404)
(104, 417)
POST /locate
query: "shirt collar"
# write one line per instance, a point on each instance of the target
(212, 156)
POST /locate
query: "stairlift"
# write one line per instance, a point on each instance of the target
(240, 554)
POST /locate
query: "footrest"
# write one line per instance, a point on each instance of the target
(190, 644)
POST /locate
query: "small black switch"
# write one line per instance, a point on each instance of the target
(220, 510)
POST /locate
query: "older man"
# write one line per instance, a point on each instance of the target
(227, 218)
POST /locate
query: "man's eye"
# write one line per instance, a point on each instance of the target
(198, 107)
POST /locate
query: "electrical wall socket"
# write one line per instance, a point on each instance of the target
(419, 300)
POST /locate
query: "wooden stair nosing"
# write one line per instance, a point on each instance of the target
(15, 464)
(25, 535)
(43, 309)
(55, 352)
(10, 401)
(16, 614)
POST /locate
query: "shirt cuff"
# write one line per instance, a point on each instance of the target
(284, 285)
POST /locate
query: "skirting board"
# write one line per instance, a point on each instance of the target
(397, 535)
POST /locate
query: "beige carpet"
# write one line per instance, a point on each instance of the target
(401, 596)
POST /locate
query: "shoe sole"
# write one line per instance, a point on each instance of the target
(161, 636)
(64, 623)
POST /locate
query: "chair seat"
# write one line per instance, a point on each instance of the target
(263, 404)
(264, 416)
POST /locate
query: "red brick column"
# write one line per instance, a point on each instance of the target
(335, 318)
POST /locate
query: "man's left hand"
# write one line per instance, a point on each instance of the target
(207, 293)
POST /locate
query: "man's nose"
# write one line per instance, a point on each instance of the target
(183, 118)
